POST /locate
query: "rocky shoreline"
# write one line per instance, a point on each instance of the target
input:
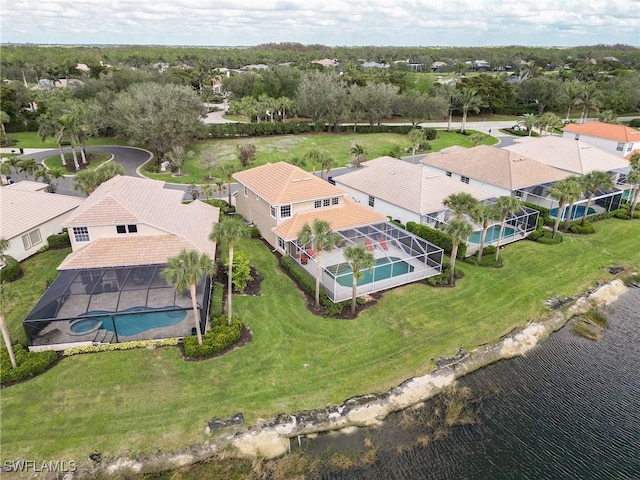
(270, 439)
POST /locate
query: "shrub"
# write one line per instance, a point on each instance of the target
(535, 235)
(11, 270)
(546, 238)
(215, 341)
(635, 123)
(57, 242)
(254, 232)
(430, 133)
(217, 301)
(113, 347)
(437, 238)
(221, 204)
(444, 277)
(578, 228)
(29, 364)
(489, 250)
(599, 216)
(241, 271)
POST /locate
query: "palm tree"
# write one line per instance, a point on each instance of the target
(359, 154)
(459, 231)
(7, 296)
(229, 232)
(4, 118)
(460, 203)
(226, 171)
(185, 271)
(484, 214)
(28, 166)
(563, 191)
(529, 120)
(574, 193)
(506, 206)
(633, 178)
(313, 155)
(416, 137)
(4, 246)
(321, 238)
(469, 99)
(48, 125)
(589, 98)
(549, 120)
(207, 190)
(453, 98)
(592, 182)
(87, 181)
(327, 162)
(360, 260)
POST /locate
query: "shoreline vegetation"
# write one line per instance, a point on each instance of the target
(109, 410)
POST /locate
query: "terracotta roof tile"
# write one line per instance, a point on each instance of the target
(611, 131)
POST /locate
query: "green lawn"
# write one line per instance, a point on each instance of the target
(142, 401)
(285, 147)
(33, 140)
(95, 160)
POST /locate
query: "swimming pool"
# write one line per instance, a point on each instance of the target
(492, 234)
(384, 268)
(129, 322)
(577, 212)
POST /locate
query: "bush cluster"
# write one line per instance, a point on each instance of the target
(29, 364)
(113, 347)
(57, 242)
(308, 284)
(223, 130)
(254, 232)
(11, 270)
(635, 123)
(215, 341)
(436, 237)
(224, 207)
(623, 213)
(546, 238)
(444, 277)
(578, 228)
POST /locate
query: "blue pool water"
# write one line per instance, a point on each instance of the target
(578, 212)
(129, 322)
(492, 234)
(384, 268)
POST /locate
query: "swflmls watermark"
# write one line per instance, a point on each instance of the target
(35, 466)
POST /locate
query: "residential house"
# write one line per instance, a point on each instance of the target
(30, 214)
(611, 137)
(110, 288)
(279, 199)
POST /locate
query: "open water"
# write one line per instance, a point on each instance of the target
(570, 409)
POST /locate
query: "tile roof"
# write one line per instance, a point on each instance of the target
(24, 206)
(417, 188)
(495, 166)
(611, 131)
(569, 155)
(143, 201)
(348, 214)
(282, 183)
(126, 251)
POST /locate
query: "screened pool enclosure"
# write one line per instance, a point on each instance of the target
(112, 305)
(401, 258)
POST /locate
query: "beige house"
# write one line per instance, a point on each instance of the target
(279, 199)
(29, 215)
(110, 289)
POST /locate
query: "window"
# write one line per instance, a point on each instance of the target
(285, 211)
(335, 201)
(519, 193)
(372, 201)
(629, 147)
(464, 179)
(317, 204)
(448, 174)
(326, 202)
(620, 147)
(281, 243)
(31, 239)
(127, 228)
(81, 234)
(273, 211)
(245, 190)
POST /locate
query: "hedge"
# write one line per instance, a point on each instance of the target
(220, 337)
(444, 277)
(545, 213)
(578, 228)
(29, 364)
(11, 270)
(223, 130)
(436, 237)
(57, 242)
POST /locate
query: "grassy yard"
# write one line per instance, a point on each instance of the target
(33, 140)
(285, 147)
(95, 160)
(142, 401)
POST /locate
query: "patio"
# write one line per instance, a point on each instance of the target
(401, 258)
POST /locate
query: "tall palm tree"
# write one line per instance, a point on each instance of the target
(230, 232)
(507, 206)
(633, 178)
(226, 171)
(28, 166)
(592, 182)
(529, 120)
(590, 99)
(360, 260)
(484, 214)
(459, 230)
(574, 193)
(452, 95)
(185, 271)
(563, 191)
(87, 181)
(358, 154)
(49, 126)
(460, 203)
(7, 296)
(320, 236)
(469, 100)
(314, 155)
(327, 162)
(416, 137)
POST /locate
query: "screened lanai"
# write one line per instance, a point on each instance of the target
(112, 305)
(401, 258)
(603, 201)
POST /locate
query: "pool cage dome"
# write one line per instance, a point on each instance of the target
(113, 305)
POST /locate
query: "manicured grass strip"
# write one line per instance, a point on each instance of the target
(95, 159)
(141, 401)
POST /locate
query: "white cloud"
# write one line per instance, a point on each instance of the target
(330, 22)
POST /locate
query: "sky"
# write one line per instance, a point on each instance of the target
(327, 22)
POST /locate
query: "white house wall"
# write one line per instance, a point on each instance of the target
(381, 206)
(495, 190)
(51, 227)
(604, 143)
(109, 231)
